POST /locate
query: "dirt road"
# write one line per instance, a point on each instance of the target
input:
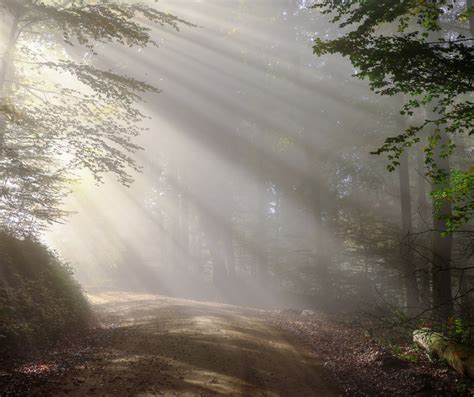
(170, 347)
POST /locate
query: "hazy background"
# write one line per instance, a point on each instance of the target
(257, 183)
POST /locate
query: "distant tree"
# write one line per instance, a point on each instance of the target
(59, 112)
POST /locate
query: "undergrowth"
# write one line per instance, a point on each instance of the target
(39, 299)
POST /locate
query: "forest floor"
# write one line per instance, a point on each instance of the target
(365, 367)
(156, 346)
(149, 345)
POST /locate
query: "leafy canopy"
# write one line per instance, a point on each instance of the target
(422, 50)
(61, 110)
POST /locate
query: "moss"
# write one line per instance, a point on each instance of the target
(458, 356)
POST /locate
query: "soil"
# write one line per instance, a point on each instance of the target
(150, 345)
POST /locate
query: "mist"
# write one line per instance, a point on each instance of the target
(227, 161)
(242, 168)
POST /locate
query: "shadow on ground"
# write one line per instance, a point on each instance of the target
(163, 346)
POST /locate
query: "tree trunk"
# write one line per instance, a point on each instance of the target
(424, 223)
(458, 356)
(442, 245)
(197, 244)
(406, 248)
(185, 228)
(213, 232)
(7, 55)
(314, 161)
(261, 229)
(470, 3)
(229, 253)
(314, 204)
(219, 274)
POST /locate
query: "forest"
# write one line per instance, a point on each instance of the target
(236, 198)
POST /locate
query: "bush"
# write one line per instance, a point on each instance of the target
(39, 298)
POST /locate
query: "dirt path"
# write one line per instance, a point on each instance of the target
(170, 347)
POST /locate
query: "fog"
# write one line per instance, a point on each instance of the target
(257, 184)
(236, 197)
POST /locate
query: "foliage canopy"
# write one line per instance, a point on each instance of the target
(61, 108)
(422, 50)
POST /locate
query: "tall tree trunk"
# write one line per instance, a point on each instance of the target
(219, 270)
(197, 244)
(261, 229)
(185, 228)
(7, 55)
(261, 145)
(313, 166)
(213, 231)
(442, 245)
(314, 205)
(423, 210)
(406, 248)
(182, 219)
(470, 3)
(175, 212)
(424, 224)
(229, 253)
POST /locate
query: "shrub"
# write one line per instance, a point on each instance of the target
(39, 298)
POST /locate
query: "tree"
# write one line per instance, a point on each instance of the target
(58, 110)
(377, 56)
(407, 252)
(379, 37)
